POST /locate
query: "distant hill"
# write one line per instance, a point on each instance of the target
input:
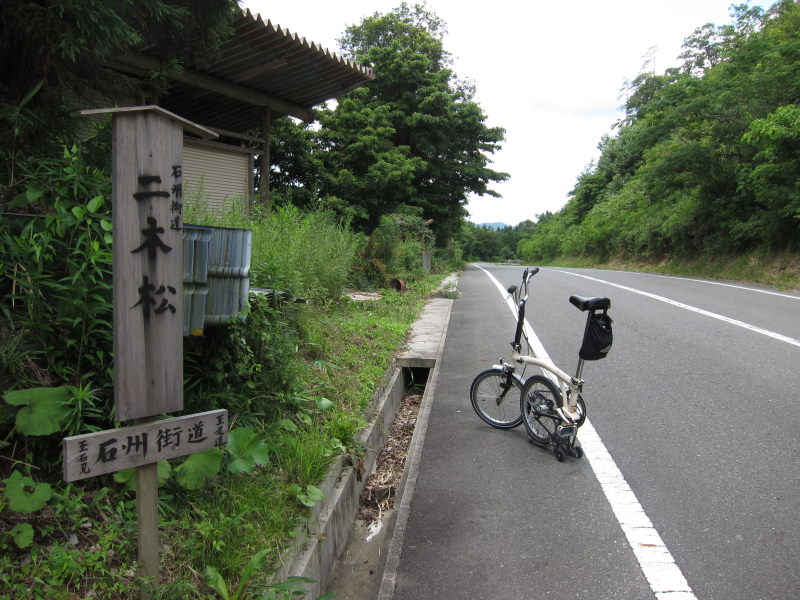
(493, 225)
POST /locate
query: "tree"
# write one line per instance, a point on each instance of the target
(414, 135)
(294, 165)
(63, 48)
(773, 175)
(705, 159)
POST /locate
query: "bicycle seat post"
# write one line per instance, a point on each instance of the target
(579, 368)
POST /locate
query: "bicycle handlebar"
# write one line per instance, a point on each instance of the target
(526, 277)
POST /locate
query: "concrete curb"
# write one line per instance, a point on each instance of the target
(323, 537)
(321, 540)
(405, 493)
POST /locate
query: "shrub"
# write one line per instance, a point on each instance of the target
(307, 254)
(394, 250)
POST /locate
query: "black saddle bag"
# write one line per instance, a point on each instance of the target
(597, 338)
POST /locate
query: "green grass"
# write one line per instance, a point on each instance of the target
(349, 347)
(352, 343)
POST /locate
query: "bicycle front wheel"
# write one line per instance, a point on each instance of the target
(538, 404)
(494, 394)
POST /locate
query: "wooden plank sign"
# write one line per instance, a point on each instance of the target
(113, 450)
(148, 265)
(147, 210)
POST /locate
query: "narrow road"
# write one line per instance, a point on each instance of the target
(697, 409)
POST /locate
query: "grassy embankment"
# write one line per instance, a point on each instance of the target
(295, 378)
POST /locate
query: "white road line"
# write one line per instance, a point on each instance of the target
(767, 332)
(706, 281)
(663, 575)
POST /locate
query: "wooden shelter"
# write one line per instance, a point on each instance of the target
(261, 72)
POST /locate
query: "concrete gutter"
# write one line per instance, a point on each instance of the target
(320, 542)
(440, 313)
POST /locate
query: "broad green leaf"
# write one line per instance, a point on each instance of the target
(164, 471)
(128, 476)
(79, 212)
(24, 495)
(95, 204)
(22, 534)
(247, 450)
(312, 496)
(288, 425)
(194, 470)
(33, 194)
(215, 581)
(324, 403)
(44, 409)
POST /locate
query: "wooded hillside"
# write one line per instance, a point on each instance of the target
(706, 159)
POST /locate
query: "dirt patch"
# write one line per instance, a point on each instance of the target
(379, 493)
(361, 296)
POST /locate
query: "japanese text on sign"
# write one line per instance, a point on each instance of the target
(116, 449)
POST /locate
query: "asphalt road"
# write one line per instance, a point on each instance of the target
(697, 406)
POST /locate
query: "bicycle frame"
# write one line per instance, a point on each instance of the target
(570, 386)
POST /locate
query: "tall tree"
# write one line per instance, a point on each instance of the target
(414, 135)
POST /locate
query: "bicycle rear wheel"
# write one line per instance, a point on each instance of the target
(538, 402)
(494, 394)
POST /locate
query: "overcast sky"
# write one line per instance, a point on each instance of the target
(550, 73)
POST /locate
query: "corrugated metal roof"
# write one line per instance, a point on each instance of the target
(260, 65)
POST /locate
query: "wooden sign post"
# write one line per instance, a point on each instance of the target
(147, 199)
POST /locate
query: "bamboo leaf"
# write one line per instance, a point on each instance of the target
(31, 93)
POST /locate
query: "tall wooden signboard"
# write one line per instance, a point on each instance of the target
(148, 264)
(148, 319)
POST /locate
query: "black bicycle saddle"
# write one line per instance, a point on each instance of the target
(590, 303)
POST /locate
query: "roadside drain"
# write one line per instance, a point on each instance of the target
(380, 490)
(359, 569)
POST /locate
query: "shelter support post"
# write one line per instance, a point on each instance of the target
(266, 133)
